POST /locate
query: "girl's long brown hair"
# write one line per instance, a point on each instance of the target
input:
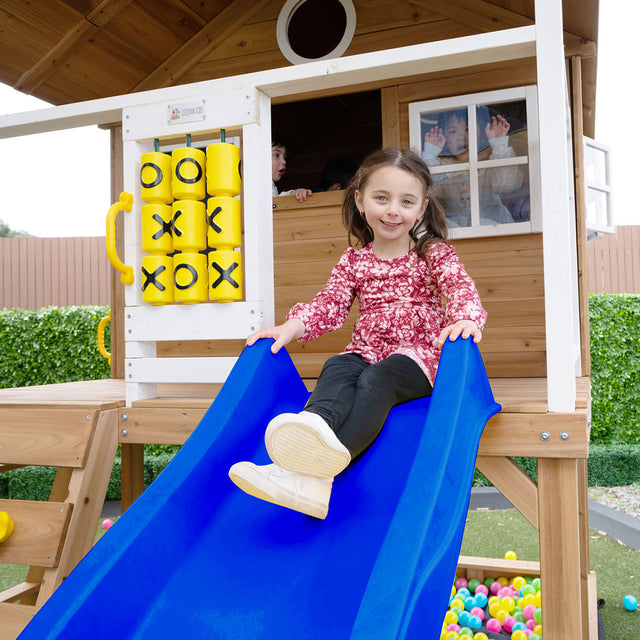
(432, 227)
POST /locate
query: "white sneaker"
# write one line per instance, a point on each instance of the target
(296, 491)
(305, 443)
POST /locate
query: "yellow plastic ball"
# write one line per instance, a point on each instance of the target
(518, 582)
(507, 604)
(451, 617)
(538, 629)
(480, 636)
(503, 581)
(510, 555)
(501, 615)
(518, 635)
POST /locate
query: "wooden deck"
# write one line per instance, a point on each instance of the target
(557, 505)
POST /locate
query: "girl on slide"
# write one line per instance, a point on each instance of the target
(400, 275)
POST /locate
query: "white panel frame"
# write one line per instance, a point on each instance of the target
(560, 268)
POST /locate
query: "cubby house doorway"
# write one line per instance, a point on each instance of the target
(316, 131)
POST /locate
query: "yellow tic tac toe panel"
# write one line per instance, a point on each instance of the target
(223, 169)
(188, 180)
(224, 222)
(190, 277)
(156, 228)
(157, 279)
(225, 276)
(189, 226)
(155, 177)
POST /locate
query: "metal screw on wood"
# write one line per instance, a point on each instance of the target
(124, 417)
(124, 433)
(545, 436)
(564, 436)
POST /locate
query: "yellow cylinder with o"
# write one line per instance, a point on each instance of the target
(190, 277)
(224, 222)
(189, 226)
(157, 279)
(223, 169)
(187, 173)
(155, 177)
(225, 276)
(156, 228)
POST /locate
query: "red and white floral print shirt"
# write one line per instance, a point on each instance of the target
(401, 303)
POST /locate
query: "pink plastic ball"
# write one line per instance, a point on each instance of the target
(107, 523)
(461, 583)
(508, 623)
(495, 588)
(453, 627)
(529, 611)
(531, 624)
(482, 588)
(493, 625)
(477, 611)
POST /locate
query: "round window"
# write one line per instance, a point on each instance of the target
(311, 30)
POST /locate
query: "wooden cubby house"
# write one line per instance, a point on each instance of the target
(124, 64)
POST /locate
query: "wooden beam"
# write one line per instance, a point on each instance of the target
(69, 44)
(227, 22)
(575, 66)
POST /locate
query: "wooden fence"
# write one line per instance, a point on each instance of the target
(42, 272)
(614, 262)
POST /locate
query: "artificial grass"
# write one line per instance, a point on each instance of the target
(491, 534)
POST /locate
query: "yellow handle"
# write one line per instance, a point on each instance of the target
(125, 204)
(6, 526)
(101, 348)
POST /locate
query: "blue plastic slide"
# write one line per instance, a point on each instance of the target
(197, 558)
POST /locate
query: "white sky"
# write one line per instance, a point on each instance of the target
(57, 184)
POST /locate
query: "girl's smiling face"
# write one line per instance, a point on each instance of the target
(392, 201)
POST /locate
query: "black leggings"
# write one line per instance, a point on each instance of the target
(355, 397)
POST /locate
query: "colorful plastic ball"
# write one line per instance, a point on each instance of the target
(489, 581)
(461, 583)
(529, 611)
(107, 523)
(451, 635)
(493, 625)
(528, 589)
(453, 627)
(503, 581)
(519, 626)
(508, 622)
(510, 555)
(477, 611)
(482, 588)
(531, 624)
(537, 616)
(495, 587)
(535, 636)
(451, 617)
(481, 600)
(474, 622)
(463, 593)
(463, 618)
(518, 582)
(465, 631)
(536, 584)
(518, 635)
(472, 584)
(630, 603)
(507, 604)
(480, 636)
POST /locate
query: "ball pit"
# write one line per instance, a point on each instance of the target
(496, 606)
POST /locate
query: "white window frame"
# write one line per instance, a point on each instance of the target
(469, 101)
(595, 187)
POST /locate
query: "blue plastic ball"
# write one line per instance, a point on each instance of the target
(630, 603)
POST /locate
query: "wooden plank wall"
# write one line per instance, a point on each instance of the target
(614, 262)
(42, 272)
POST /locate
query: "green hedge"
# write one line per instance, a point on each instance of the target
(54, 344)
(615, 368)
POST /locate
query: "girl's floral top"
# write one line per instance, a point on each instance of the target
(401, 303)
